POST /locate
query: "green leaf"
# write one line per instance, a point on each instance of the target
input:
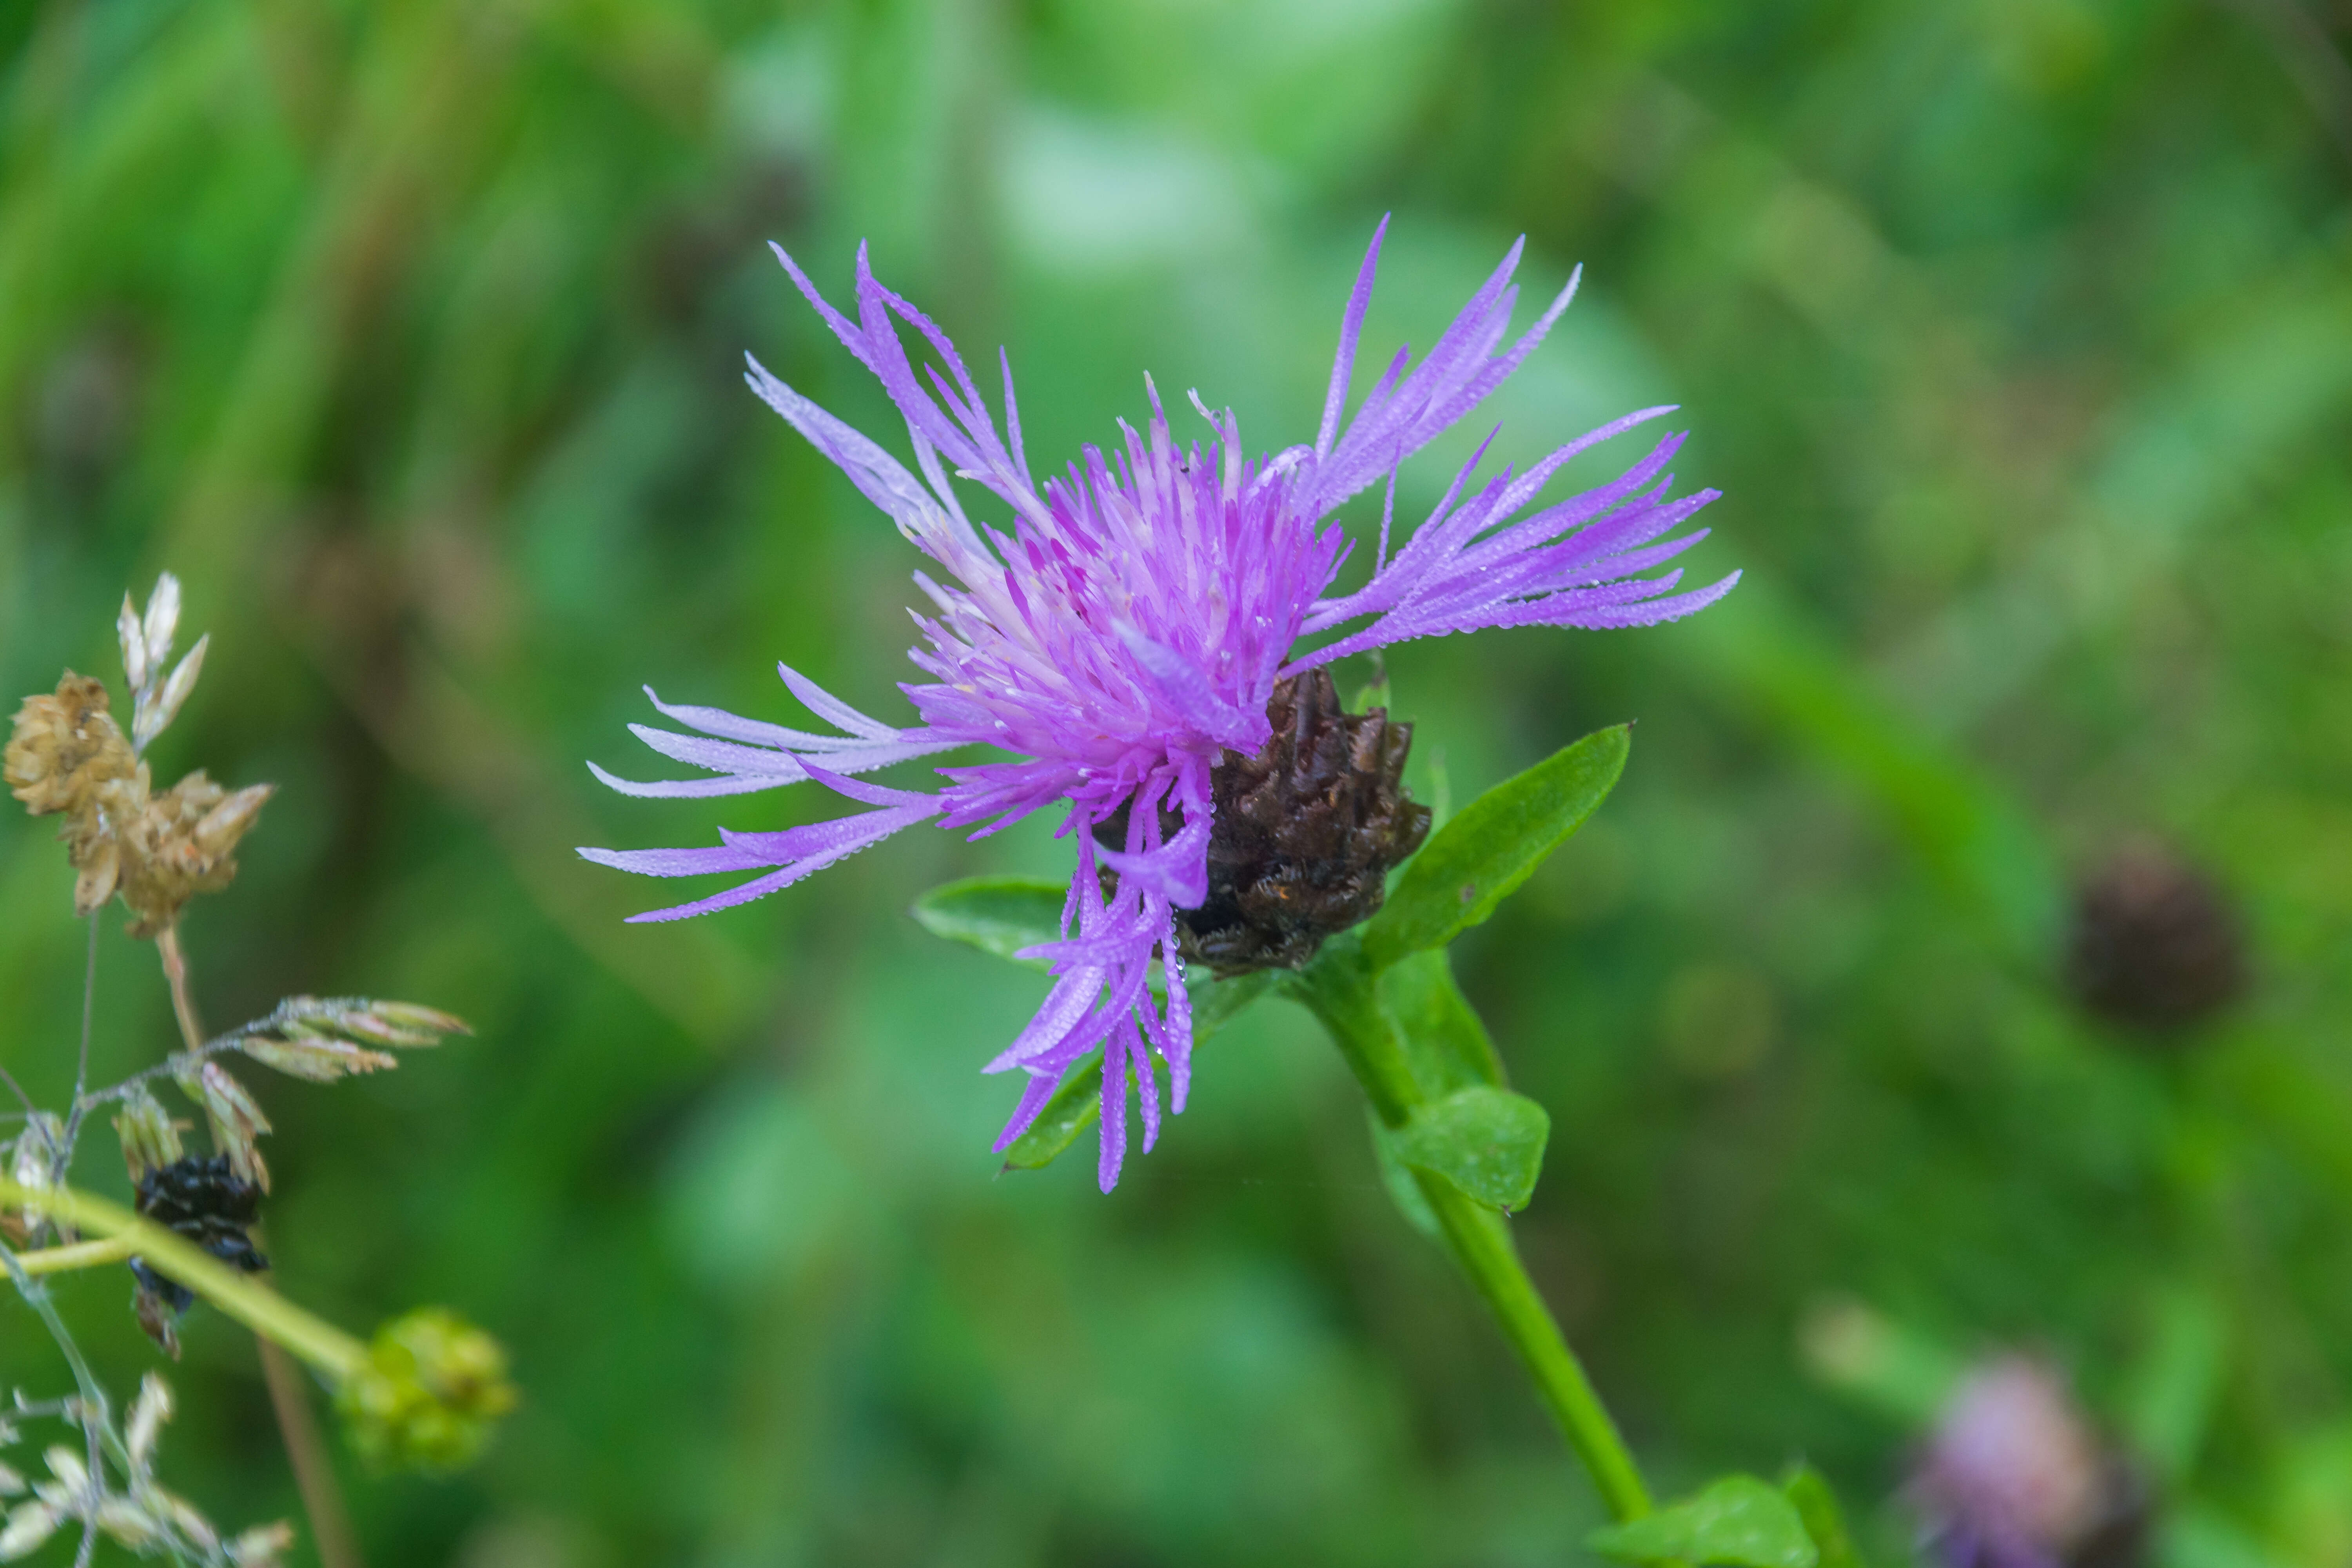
(995, 914)
(1445, 1039)
(1447, 1047)
(1817, 1506)
(1078, 1102)
(1487, 1140)
(2168, 1400)
(1495, 844)
(1737, 1520)
(1405, 1191)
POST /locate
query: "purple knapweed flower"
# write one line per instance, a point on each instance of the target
(1128, 630)
(2014, 1477)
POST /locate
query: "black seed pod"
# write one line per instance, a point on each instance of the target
(2155, 946)
(1305, 832)
(202, 1199)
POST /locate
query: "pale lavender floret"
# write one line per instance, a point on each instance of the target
(1128, 630)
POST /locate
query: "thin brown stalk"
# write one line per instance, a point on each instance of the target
(306, 1450)
(314, 1472)
(175, 973)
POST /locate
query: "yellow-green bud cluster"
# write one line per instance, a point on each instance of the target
(427, 1396)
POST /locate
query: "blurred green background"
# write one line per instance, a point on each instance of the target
(2018, 333)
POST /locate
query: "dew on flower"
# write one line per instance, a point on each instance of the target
(1125, 631)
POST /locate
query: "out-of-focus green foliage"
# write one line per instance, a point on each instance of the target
(409, 335)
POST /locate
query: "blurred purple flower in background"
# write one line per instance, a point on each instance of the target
(1129, 631)
(2014, 1477)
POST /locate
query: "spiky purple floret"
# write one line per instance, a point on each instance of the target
(1129, 628)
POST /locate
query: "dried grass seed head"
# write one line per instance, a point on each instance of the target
(33, 1160)
(64, 746)
(65, 754)
(151, 1139)
(182, 844)
(28, 1529)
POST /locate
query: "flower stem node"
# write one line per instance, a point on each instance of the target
(430, 1391)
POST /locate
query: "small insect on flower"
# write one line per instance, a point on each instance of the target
(1134, 641)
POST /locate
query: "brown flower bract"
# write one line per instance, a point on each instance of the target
(1306, 832)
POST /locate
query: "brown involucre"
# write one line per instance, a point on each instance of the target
(1306, 831)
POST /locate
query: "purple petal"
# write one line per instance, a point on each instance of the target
(1351, 327)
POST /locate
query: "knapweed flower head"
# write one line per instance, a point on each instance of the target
(2014, 1477)
(1122, 629)
(2155, 947)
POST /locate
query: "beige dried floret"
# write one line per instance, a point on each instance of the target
(64, 746)
(28, 1529)
(181, 845)
(151, 1139)
(234, 1118)
(262, 1546)
(65, 754)
(32, 1163)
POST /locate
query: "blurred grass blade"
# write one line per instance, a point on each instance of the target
(2169, 1395)
(1974, 838)
(1476, 861)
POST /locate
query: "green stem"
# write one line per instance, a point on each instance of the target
(80, 1255)
(259, 1307)
(1480, 1240)
(1338, 988)
(97, 1420)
